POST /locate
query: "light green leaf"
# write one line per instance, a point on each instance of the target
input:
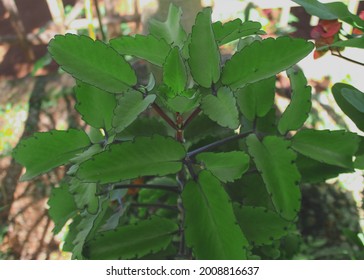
(313, 171)
(174, 71)
(61, 207)
(44, 151)
(235, 29)
(145, 156)
(351, 111)
(260, 225)
(244, 42)
(264, 59)
(335, 10)
(257, 99)
(221, 108)
(130, 105)
(204, 59)
(331, 147)
(354, 97)
(84, 195)
(171, 30)
(227, 167)
(352, 43)
(87, 228)
(210, 225)
(92, 62)
(132, 241)
(95, 105)
(145, 47)
(275, 161)
(297, 111)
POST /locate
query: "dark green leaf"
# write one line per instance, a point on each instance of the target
(46, 150)
(335, 10)
(275, 161)
(95, 105)
(171, 30)
(145, 47)
(256, 99)
(263, 59)
(297, 111)
(92, 62)
(260, 225)
(204, 53)
(221, 108)
(174, 71)
(130, 105)
(331, 147)
(145, 156)
(352, 112)
(61, 207)
(313, 171)
(132, 241)
(227, 167)
(210, 225)
(235, 29)
(354, 97)
(84, 195)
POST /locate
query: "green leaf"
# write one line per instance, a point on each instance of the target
(61, 207)
(331, 147)
(171, 30)
(174, 71)
(184, 102)
(352, 43)
(87, 228)
(256, 99)
(227, 167)
(145, 47)
(260, 225)
(92, 62)
(351, 111)
(210, 225)
(132, 241)
(235, 29)
(297, 111)
(143, 126)
(130, 105)
(244, 42)
(95, 105)
(275, 161)
(221, 108)
(335, 10)
(44, 151)
(204, 59)
(145, 156)
(84, 195)
(263, 59)
(354, 97)
(313, 171)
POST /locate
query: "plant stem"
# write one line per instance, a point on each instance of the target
(146, 186)
(154, 205)
(346, 58)
(217, 143)
(100, 21)
(191, 117)
(164, 115)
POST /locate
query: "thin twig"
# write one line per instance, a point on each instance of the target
(218, 143)
(164, 115)
(169, 188)
(346, 58)
(191, 117)
(103, 35)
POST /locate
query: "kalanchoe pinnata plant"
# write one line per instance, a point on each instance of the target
(218, 171)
